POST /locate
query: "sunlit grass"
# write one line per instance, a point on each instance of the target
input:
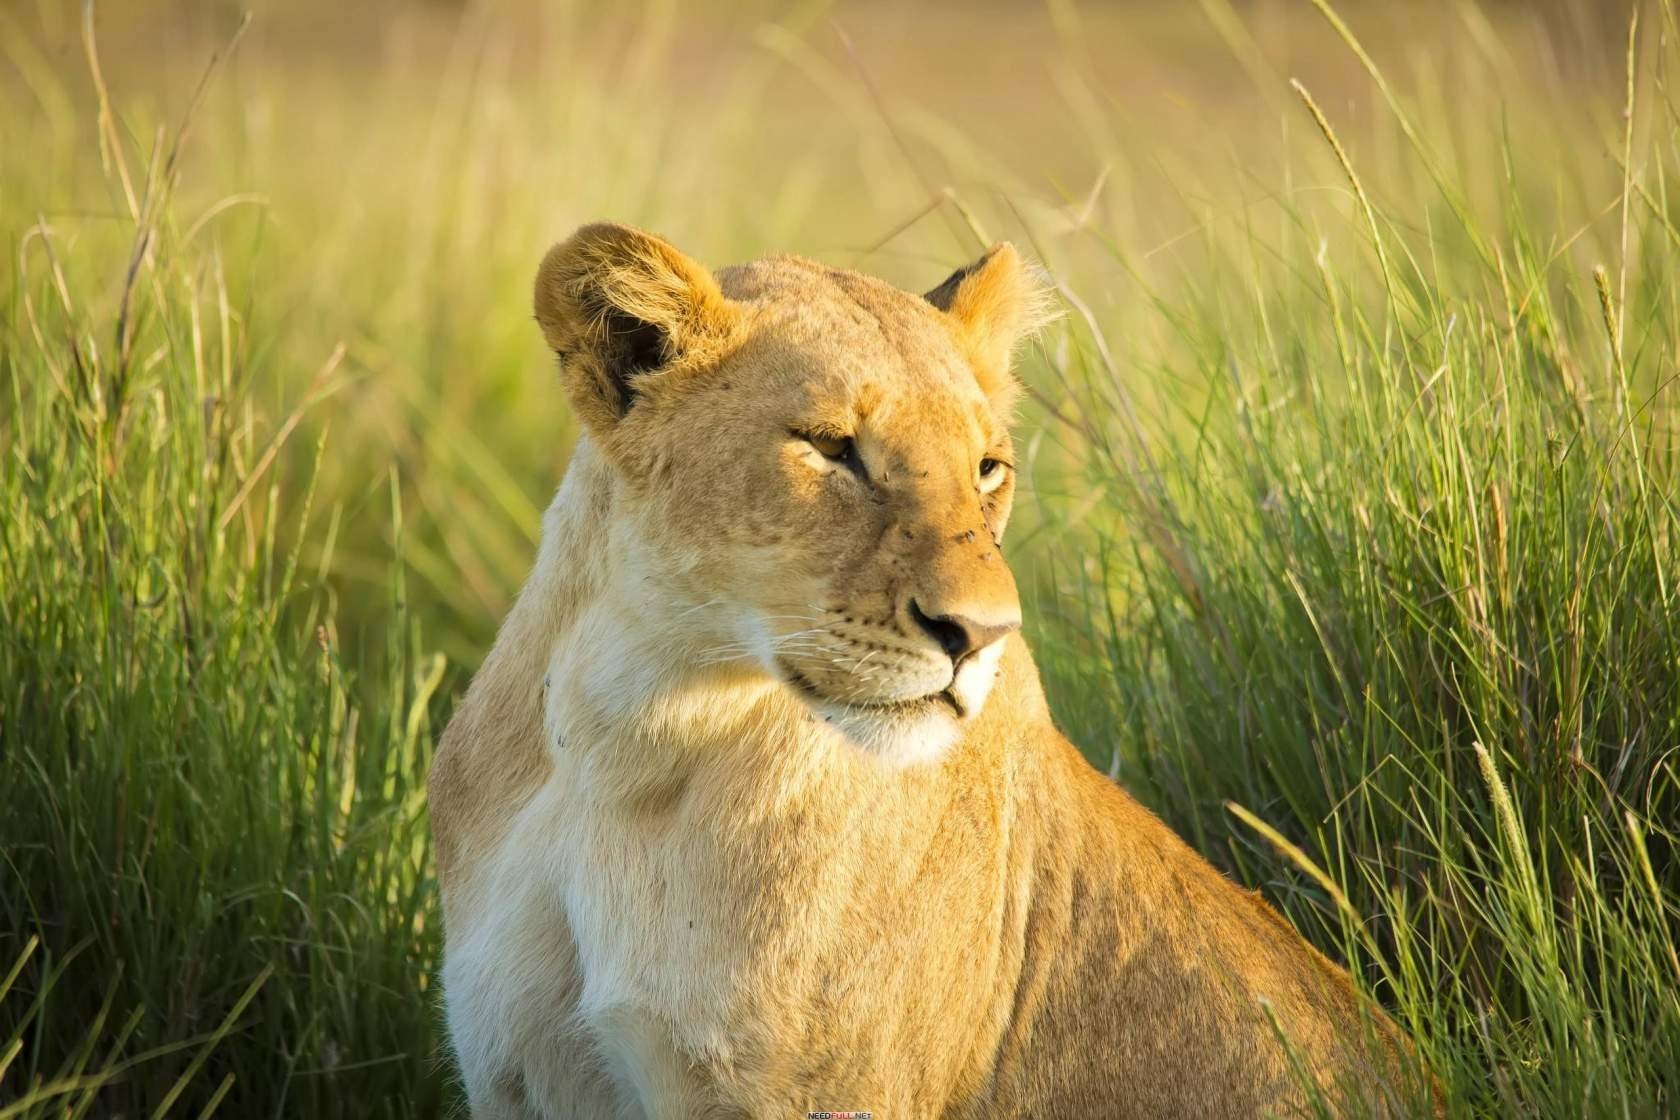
(1349, 534)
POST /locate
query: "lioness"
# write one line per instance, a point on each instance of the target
(755, 808)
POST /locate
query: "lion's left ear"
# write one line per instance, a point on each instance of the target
(619, 306)
(996, 302)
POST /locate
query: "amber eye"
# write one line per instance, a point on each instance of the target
(841, 450)
(992, 472)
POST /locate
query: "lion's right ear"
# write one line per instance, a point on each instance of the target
(619, 305)
(994, 303)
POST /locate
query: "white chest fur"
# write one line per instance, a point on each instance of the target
(615, 948)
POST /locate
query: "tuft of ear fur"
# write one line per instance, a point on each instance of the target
(617, 304)
(995, 302)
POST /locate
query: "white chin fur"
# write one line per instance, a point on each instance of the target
(902, 740)
(974, 680)
(906, 739)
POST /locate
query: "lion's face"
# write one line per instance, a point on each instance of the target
(817, 468)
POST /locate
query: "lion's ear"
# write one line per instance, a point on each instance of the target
(616, 305)
(996, 302)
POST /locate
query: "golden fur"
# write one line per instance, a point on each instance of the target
(756, 807)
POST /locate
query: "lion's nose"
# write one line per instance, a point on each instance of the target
(959, 636)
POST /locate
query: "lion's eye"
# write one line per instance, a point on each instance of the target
(841, 450)
(992, 472)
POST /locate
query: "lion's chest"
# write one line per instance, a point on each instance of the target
(654, 904)
(644, 909)
(582, 976)
(632, 844)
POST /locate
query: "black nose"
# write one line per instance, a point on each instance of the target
(958, 636)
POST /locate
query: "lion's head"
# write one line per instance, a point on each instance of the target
(814, 468)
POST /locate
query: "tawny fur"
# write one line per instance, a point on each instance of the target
(677, 884)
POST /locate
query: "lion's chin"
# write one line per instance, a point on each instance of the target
(905, 735)
(902, 732)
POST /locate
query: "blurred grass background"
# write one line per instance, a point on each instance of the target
(1349, 521)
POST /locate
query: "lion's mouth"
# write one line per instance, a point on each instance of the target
(945, 699)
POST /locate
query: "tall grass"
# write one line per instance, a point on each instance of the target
(1403, 602)
(1349, 536)
(215, 869)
